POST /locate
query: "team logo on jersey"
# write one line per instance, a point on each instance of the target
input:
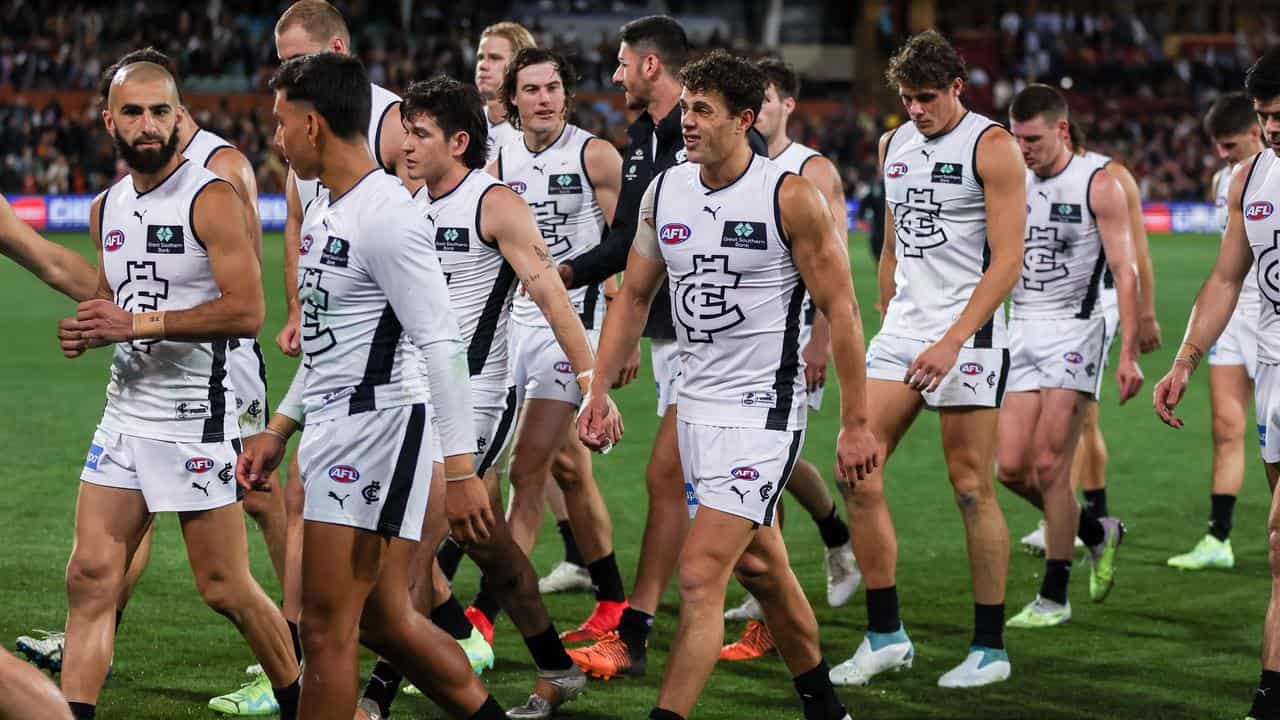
(337, 252)
(1259, 210)
(915, 223)
(518, 186)
(745, 473)
(94, 457)
(192, 410)
(947, 173)
(141, 291)
(343, 474)
(744, 235)
(305, 246)
(1269, 273)
(564, 184)
(550, 220)
(165, 240)
(971, 368)
(450, 239)
(766, 491)
(674, 233)
(200, 465)
(314, 298)
(1040, 265)
(370, 492)
(700, 304)
(227, 473)
(1065, 213)
(682, 155)
(113, 241)
(896, 170)
(1073, 357)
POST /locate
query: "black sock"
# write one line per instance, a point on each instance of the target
(1266, 703)
(487, 600)
(82, 711)
(119, 618)
(296, 635)
(634, 629)
(450, 617)
(384, 683)
(988, 625)
(660, 714)
(572, 554)
(882, 610)
(1095, 503)
(1223, 506)
(490, 710)
(833, 529)
(607, 579)
(287, 698)
(1057, 573)
(548, 651)
(1091, 532)
(818, 695)
(449, 556)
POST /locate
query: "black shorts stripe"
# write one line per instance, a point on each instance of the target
(487, 325)
(262, 375)
(1004, 377)
(382, 360)
(983, 338)
(404, 474)
(215, 426)
(788, 365)
(589, 303)
(235, 445)
(1095, 288)
(797, 439)
(500, 434)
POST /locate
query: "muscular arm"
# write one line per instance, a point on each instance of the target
(1106, 199)
(604, 171)
(822, 173)
(1217, 297)
(1142, 256)
(506, 220)
(59, 267)
(888, 264)
(231, 165)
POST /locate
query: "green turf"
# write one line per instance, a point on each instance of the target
(1165, 645)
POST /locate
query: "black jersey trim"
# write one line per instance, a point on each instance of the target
(1095, 288)
(191, 211)
(582, 162)
(160, 184)
(209, 158)
(1088, 192)
(788, 364)
(334, 200)
(262, 376)
(535, 153)
(1245, 190)
(797, 440)
(450, 191)
(944, 133)
(888, 145)
(396, 503)
(657, 190)
(479, 207)
(377, 133)
(102, 214)
(777, 209)
(713, 191)
(499, 439)
(381, 362)
(589, 303)
(500, 163)
(783, 150)
(215, 426)
(487, 323)
(978, 141)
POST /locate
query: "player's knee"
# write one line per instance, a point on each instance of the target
(753, 573)
(89, 577)
(1013, 475)
(527, 477)
(1227, 430)
(969, 490)
(217, 591)
(1047, 469)
(697, 580)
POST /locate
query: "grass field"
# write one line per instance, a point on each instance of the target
(1165, 645)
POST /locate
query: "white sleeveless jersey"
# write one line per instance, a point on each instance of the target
(1063, 260)
(1109, 301)
(736, 298)
(555, 184)
(500, 134)
(1262, 225)
(480, 281)
(201, 147)
(792, 159)
(940, 217)
(382, 100)
(153, 260)
(1247, 305)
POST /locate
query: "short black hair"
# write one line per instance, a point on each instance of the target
(454, 106)
(529, 57)
(926, 61)
(337, 85)
(663, 35)
(781, 76)
(1038, 99)
(1262, 81)
(739, 80)
(147, 54)
(1230, 114)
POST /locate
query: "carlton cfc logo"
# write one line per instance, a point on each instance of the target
(199, 465)
(971, 369)
(1259, 210)
(674, 233)
(518, 186)
(896, 170)
(344, 474)
(114, 241)
(745, 473)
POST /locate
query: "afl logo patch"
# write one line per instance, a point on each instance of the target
(674, 233)
(114, 241)
(518, 186)
(199, 465)
(344, 474)
(1259, 210)
(305, 246)
(563, 367)
(971, 369)
(896, 170)
(1074, 358)
(745, 473)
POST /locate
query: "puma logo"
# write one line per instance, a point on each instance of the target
(1043, 194)
(202, 488)
(539, 169)
(707, 209)
(973, 387)
(431, 219)
(927, 153)
(139, 213)
(1071, 372)
(341, 500)
(564, 384)
(742, 496)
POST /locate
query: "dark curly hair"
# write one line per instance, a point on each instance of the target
(536, 56)
(926, 61)
(781, 76)
(456, 107)
(739, 80)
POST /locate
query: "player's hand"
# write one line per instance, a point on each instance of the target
(1169, 392)
(467, 504)
(816, 356)
(261, 455)
(599, 422)
(1128, 378)
(289, 339)
(1148, 334)
(70, 339)
(932, 365)
(102, 322)
(858, 454)
(629, 370)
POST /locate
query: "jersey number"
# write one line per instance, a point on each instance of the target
(317, 339)
(700, 304)
(142, 291)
